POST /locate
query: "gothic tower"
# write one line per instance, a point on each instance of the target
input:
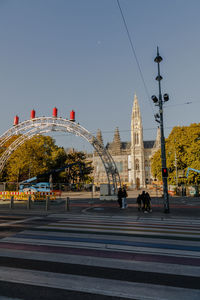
(137, 175)
(116, 144)
(99, 136)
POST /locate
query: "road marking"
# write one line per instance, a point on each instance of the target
(19, 221)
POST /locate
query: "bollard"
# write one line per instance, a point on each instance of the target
(12, 202)
(47, 203)
(29, 202)
(67, 204)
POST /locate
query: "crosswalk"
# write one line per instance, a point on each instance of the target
(103, 257)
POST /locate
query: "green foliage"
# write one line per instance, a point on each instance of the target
(36, 156)
(182, 151)
(78, 173)
(2, 149)
(40, 155)
(156, 165)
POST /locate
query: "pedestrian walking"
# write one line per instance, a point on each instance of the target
(120, 195)
(139, 202)
(124, 196)
(144, 202)
(148, 202)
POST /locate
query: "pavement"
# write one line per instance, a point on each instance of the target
(87, 203)
(180, 207)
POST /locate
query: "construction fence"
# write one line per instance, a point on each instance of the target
(31, 200)
(24, 196)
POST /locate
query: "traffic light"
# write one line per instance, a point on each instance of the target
(164, 172)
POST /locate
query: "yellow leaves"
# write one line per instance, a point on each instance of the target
(182, 151)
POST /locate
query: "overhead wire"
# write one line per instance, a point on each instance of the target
(113, 131)
(107, 131)
(180, 104)
(134, 54)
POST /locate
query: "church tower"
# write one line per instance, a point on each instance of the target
(137, 174)
(116, 144)
(99, 136)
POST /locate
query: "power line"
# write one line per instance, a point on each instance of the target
(110, 131)
(134, 53)
(123, 130)
(180, 104)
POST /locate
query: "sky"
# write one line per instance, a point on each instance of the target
(75, 54)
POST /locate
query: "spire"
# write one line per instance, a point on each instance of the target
(116, 138)
(135, 99)
(116, 144)
(99, 136)
(136, 108)
(136, 126)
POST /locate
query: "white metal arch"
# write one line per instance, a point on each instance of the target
(29, 128)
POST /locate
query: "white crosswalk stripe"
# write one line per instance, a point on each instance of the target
(98, 253)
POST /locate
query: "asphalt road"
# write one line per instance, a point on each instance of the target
(97, 242)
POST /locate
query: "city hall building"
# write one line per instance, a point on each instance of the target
(133, 158)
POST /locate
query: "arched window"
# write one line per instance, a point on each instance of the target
(137, 165)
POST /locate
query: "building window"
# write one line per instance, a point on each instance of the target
(146, 165)
(137, 165)
(119, 166)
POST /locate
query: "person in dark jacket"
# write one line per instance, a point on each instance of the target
(148, 202)
(124, 196)
(139, 202)
(144, 202)
(120, 196)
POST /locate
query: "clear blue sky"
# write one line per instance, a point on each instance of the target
(75, 54)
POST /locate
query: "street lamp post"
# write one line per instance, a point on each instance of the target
(159, 118)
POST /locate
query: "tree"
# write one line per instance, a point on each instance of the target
(80, 172)
(36, 156)
(40, 155)
(2, 149)
(182, 151)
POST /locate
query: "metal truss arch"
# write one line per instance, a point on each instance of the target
(41, 125)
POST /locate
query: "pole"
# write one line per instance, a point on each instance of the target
(175, 158)
(67, 207)
(29, 202)
(11, 202)
(162, 140)
(47, 203)
(176, 169)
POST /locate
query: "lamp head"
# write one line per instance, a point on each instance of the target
(154, 98)
(159, 78)
(166, 97)
(158, 59)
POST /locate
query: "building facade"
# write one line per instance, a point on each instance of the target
(133, 159)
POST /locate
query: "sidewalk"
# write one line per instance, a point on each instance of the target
(180, 207)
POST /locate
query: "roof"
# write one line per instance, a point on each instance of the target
(148, 144)
(127, 145)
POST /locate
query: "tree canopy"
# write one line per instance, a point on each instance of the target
(182, 151)
(36, 156)
(41, 155)
(80, 172)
